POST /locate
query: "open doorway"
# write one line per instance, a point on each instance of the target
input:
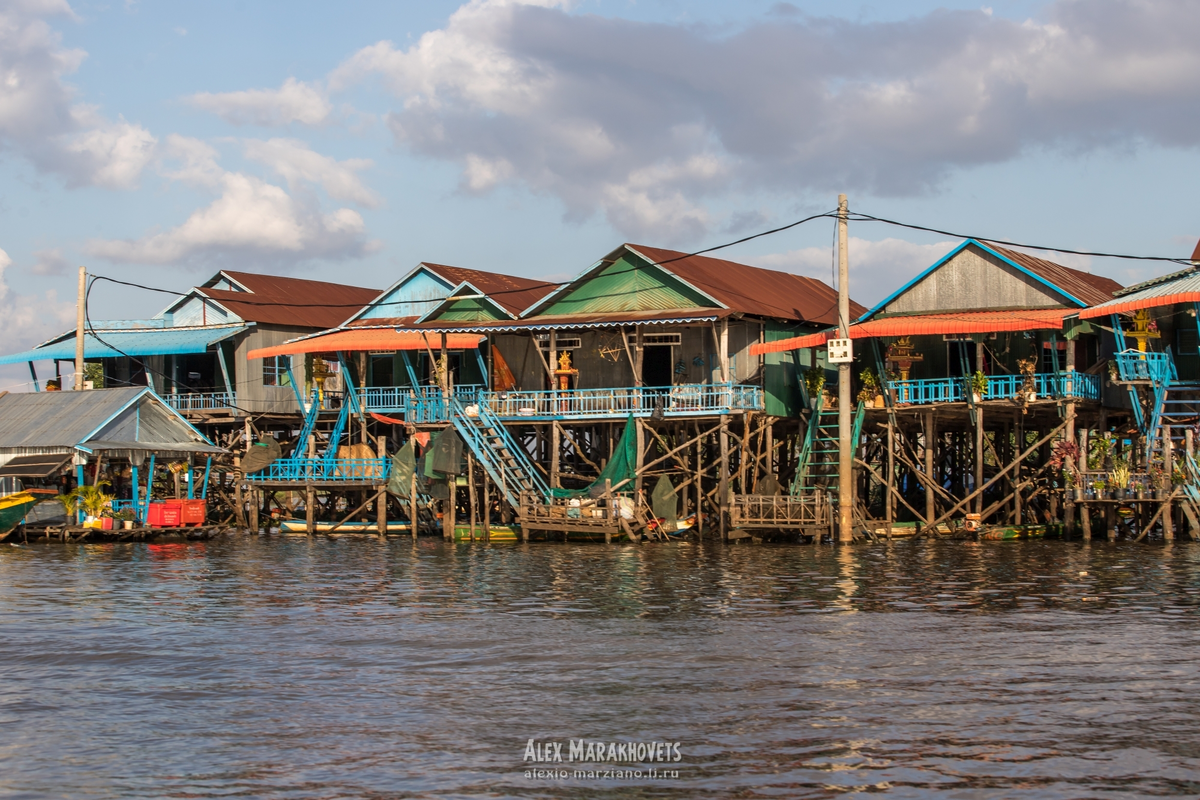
(656, 365)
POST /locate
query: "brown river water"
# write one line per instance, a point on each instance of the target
(280, 667)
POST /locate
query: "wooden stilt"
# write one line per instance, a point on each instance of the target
(414, 513)
(381, 501)
(310, 509)
(930, 439)
(487, 510)
(699, 485)
(448, 509)
(471, 492)
(889, 503)
(1168, 467)
(555, 447)
(723, 478)
(979, 434)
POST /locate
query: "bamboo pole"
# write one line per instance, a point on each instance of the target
(1004, 471)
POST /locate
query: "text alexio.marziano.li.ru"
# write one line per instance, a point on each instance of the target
(583, 750)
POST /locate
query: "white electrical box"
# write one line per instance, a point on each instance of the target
(841, 351)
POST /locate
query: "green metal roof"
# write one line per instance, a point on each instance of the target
(627, 284)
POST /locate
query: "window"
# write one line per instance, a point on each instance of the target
(1054, 359)
(661, 338)
(275, 371)
(560, 343)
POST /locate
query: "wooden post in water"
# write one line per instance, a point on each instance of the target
(1019, 432)
(448, 509)
(413, 513)
(723, 479)
(471, 491)
(487, 510)
(889, 502)
(1168, 465)
(699, 485)
(930, 499)
(608, 503)
(310, 493)
(381, 500)
(1085, 516)
(979, 434)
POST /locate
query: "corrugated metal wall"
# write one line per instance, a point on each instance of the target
(975, 279)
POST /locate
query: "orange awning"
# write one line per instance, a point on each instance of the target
(1158, 301)
(931, 325)
(381, 339)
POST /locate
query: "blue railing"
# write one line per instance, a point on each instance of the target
(319, 470)
(398, 399)
(201, 401)
(1071, 384)
(675, 401)
(1134, 365)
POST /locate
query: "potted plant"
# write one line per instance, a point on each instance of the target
(1028, 389)
(1119, 477)
(979, 385)
(124, 518)
(92, 501)
(869, 394)
(814, 382)
(1065, 456)
(1098, 489)
(1101, 447)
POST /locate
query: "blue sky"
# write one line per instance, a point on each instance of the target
(159, 142)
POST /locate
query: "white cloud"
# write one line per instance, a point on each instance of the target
(614, 115)
(38, 117)
(252, 221)
(190, 160)
(26, 320)
(50, 262)
(294, 101)
(876, 268)
(293, 161)
(111, 154)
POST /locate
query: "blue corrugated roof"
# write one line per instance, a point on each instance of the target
(152, 342)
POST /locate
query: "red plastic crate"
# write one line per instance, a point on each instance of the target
(193, 512)
(164, 514)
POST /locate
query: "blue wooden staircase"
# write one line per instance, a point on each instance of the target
(506, 463)
(818, 463)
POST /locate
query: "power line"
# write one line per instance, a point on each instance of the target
(861, 217)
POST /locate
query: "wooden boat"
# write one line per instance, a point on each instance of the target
(14, 507)
(356, 526)
(1019, 531)
(499, 533)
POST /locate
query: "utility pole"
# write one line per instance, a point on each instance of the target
(845, 454)
(79, 315)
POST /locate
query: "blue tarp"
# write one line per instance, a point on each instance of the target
(149, 342)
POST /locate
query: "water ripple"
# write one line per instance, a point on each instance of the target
(283, 667)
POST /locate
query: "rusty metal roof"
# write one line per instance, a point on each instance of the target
(513, 293)
(1088, 288)
(276, 300)
(753, 290)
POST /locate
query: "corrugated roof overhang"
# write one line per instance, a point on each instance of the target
(1182, 291)
(370, 339)
(930, 325)
(147, 342)
(38, 466)
(578, 322)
